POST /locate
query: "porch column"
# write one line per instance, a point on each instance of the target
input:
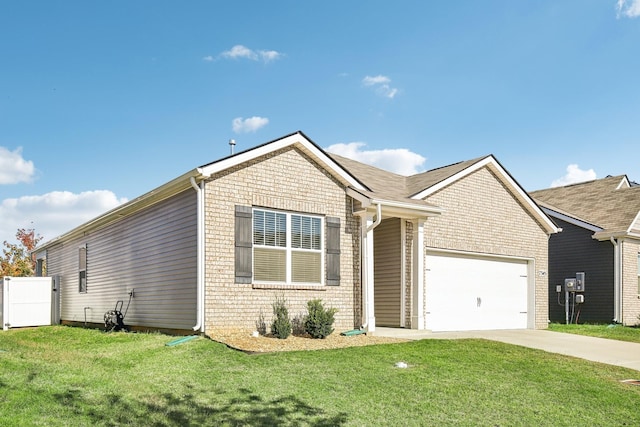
(367, 272)
(417, 279)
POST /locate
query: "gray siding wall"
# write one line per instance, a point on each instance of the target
(387, 249)
(574, 250)
(153, 252)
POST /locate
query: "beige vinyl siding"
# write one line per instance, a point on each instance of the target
(153, 252)
(387, 272)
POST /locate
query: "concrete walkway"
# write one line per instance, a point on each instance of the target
(612, 352)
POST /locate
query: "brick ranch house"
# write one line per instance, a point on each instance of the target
(455, 248)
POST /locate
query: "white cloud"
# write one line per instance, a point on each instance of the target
(54, 213)
(574, 175)
(397, 160)
(628, 8)
(250, 124)
(269, 55)
(382, 85)
(208, 58)
(242, 52)
(13, 168)
(376, 80)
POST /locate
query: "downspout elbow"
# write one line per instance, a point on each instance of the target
(378, 218)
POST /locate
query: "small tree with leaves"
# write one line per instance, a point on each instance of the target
(16, 257)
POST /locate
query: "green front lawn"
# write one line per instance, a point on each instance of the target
(614, 332)
(60, 376)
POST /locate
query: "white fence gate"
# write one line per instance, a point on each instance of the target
(28, 301)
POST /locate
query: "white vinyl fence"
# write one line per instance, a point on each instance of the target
(28, 301)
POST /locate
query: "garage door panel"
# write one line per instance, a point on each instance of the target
(475, 293)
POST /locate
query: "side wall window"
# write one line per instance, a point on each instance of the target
(82, 269)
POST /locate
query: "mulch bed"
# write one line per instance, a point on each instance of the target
(244, 340)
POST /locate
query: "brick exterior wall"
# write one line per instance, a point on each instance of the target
(482, 216)
(286, 180)
(630, 300)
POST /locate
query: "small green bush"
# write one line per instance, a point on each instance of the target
(281, 325)
(319, 321)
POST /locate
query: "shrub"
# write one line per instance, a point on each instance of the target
(281, 325)
(261, 325)
(319, 321)
(297, 324)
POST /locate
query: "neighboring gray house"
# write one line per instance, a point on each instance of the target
(456, 248)
(600, 223)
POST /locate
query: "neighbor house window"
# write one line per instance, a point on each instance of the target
(82, 269)
(287, 247)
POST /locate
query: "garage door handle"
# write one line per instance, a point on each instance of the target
(478, 301)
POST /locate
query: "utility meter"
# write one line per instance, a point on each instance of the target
(579, 282)
(570, 285)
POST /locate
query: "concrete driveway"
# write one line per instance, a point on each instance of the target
(612, 352)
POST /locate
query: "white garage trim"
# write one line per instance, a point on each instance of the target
(475, 291)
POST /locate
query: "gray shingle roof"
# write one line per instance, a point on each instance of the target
(602, 202)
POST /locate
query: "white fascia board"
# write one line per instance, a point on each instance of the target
(571, 220)
(608, 235)
(295, 139)
(393, 208)
(624, 183)
(453, 178)
(492, 163)
(635, 223)
(406, 209)
(364, 200)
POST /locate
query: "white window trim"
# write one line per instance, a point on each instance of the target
(288, 249)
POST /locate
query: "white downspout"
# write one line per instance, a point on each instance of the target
(199, 326)
(617, 312)
(367, 266)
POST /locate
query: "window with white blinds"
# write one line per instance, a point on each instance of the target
(287, 247)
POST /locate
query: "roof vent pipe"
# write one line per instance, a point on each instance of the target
(232, 145)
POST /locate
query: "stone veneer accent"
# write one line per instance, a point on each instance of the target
(286, 180)
(630, 298)
(482, 216)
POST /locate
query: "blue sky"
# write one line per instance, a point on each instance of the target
(101, 102)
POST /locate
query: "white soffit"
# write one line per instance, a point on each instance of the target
(493, 164)
(571, 220)
(296, 139)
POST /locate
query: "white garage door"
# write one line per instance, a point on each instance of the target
(474, 293)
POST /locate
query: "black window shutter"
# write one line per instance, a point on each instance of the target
(244, 241)
(333, 251)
